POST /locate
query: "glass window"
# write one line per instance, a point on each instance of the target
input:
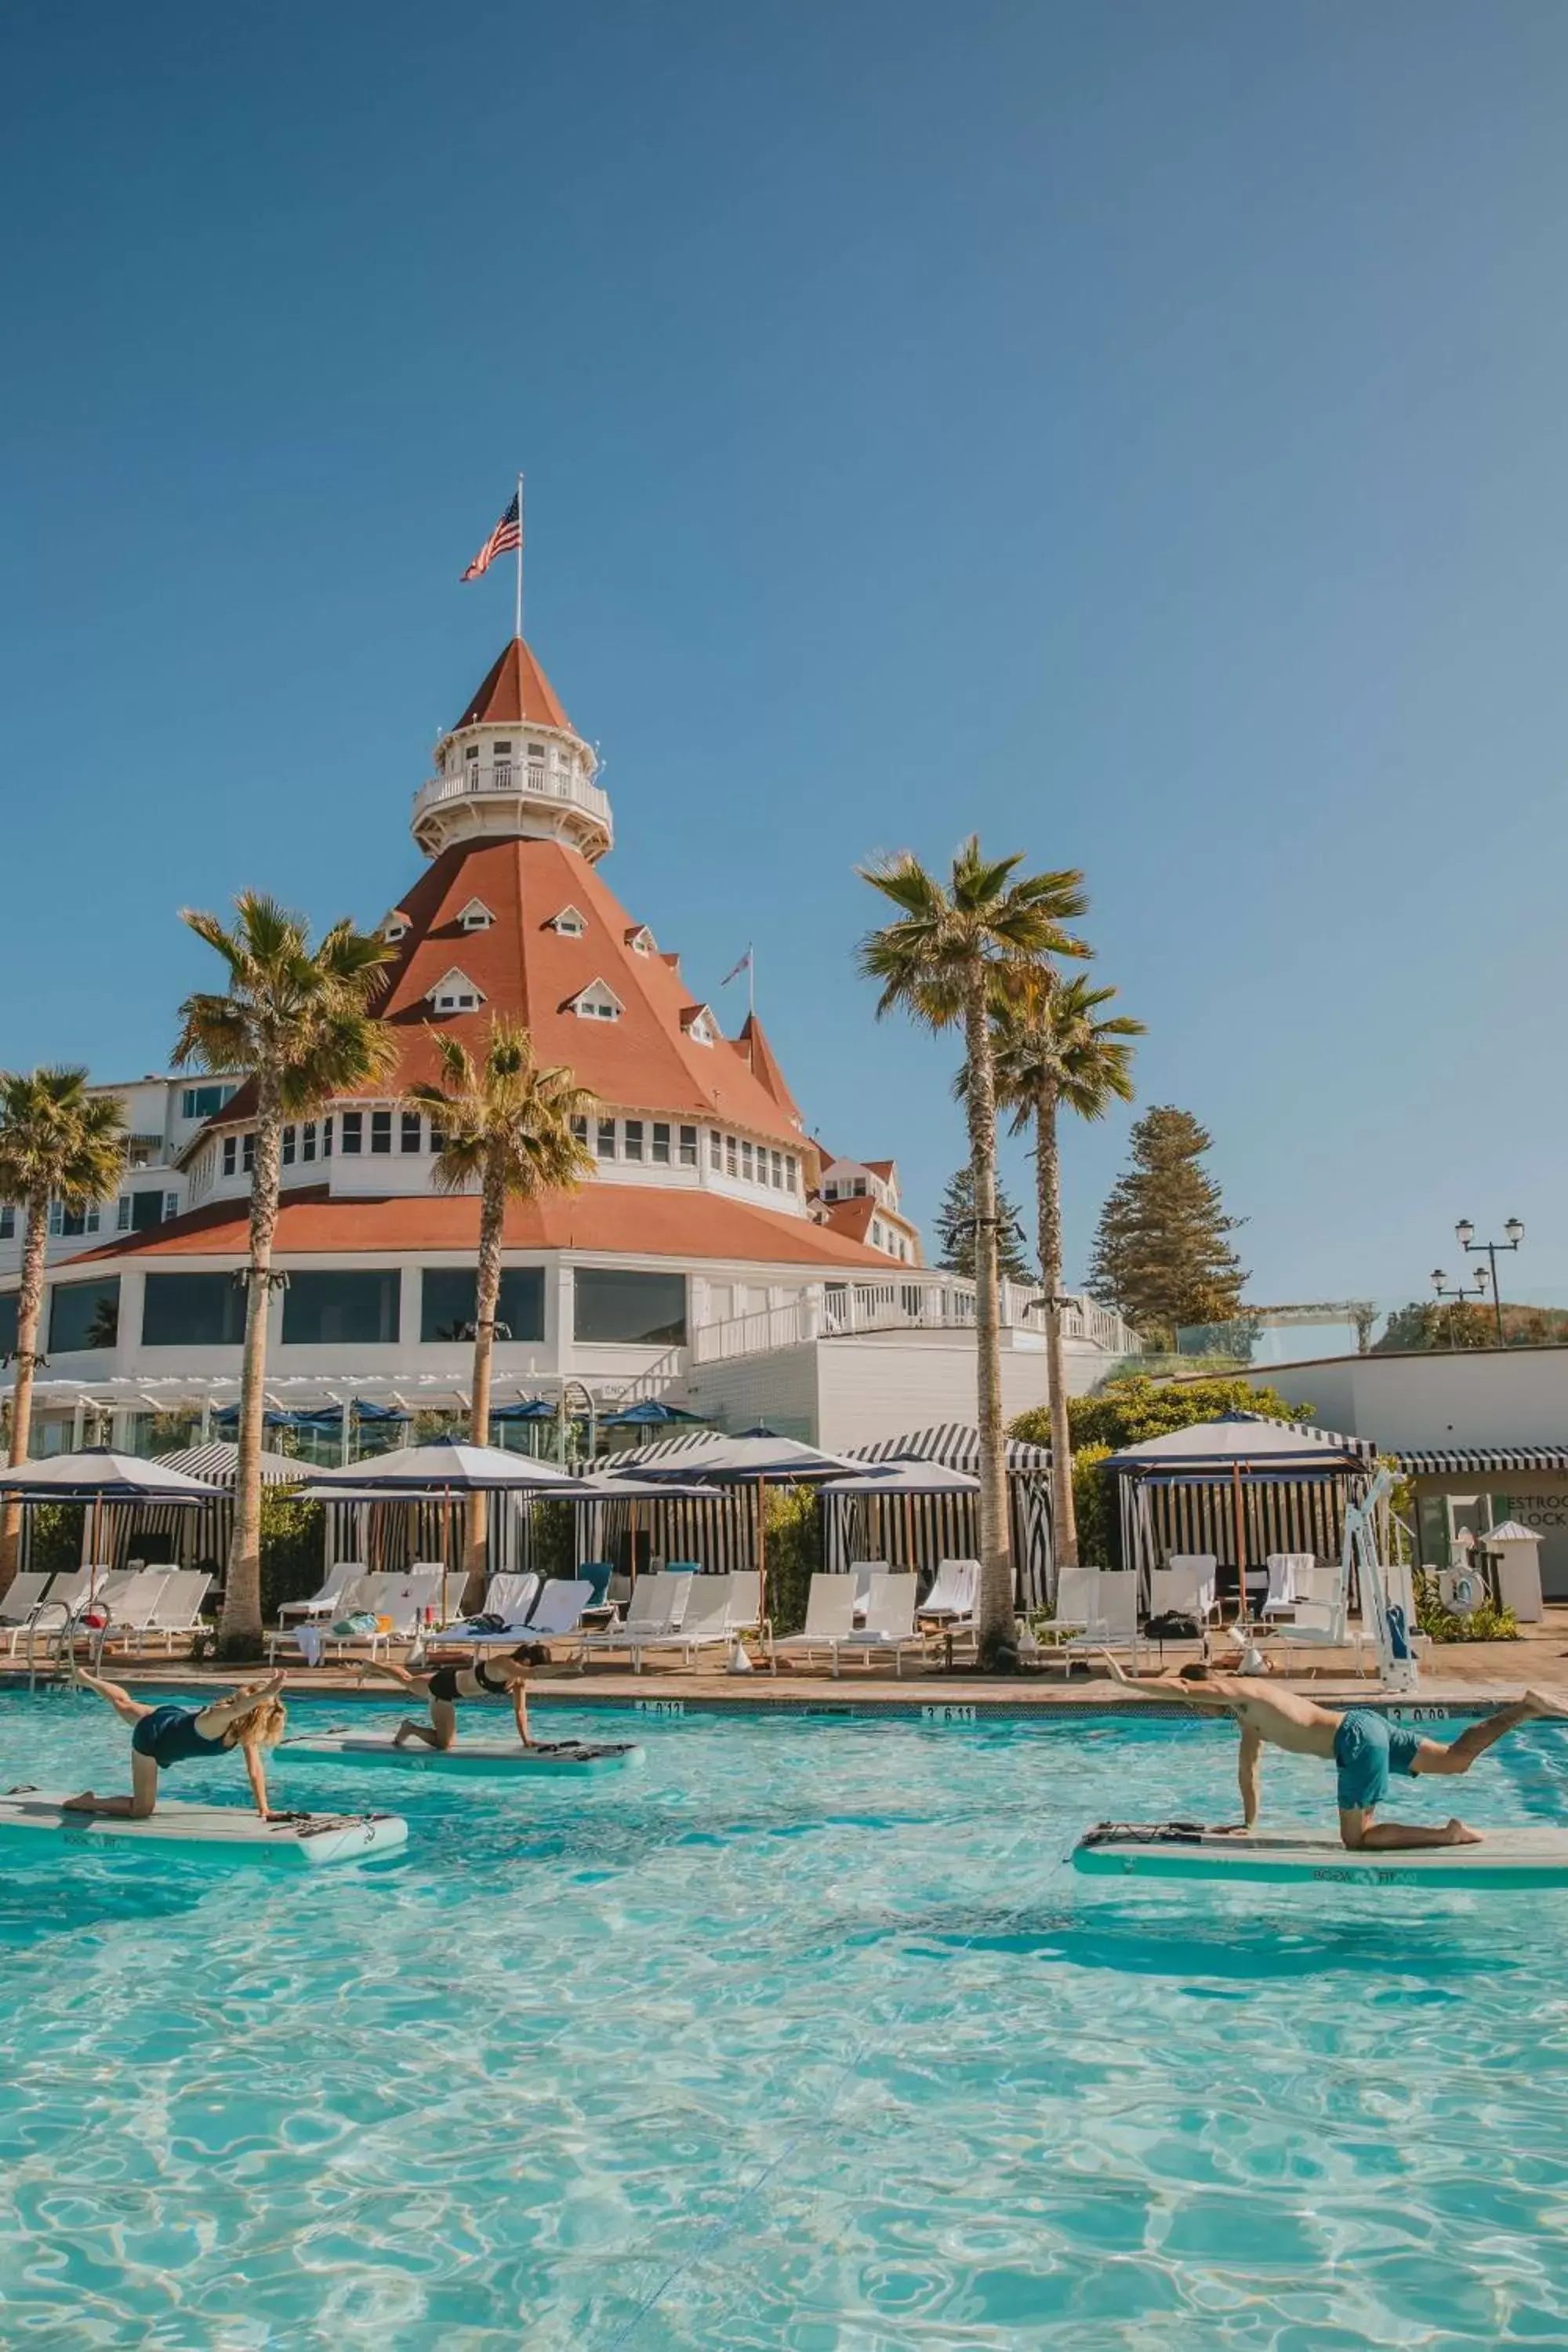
(715, 1150)
(307, 1140)
(122, 1213)
(69, 1221)
(289, 1140)
(689, 1147)
(247, 1153)
(193, 1310)
(204, 1102)
(330, 1309)
(644, 1309)
(660, 1152)
(8, 1224)
(633, 1137)
(354, 1130)
(411, 1131)
(731, 1165)
(84, 1315)
(580, 1130)
(8, 1322)
(746, 1160)
(146, 1211)
(446, 1302)
(326, 1138)
(607, 1139)
(438, 1138)
(230, 1154)
(380, 1131)
(778, 1170)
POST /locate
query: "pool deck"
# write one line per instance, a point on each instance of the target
(1462, 1675)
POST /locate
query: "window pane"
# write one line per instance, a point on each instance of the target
(84, 1315)
(307, 1140)
(247, 1153)
(7, 1322)
(689, 1147)
(323, 1309)
(715, 1152)
(230, 1154)
(661, 1142)
(607, 1139)
(446, 1302)
(412, 1125)
(746, 1161)
(289, 1147)
(146, 1209)
(354, 1123)
(634, 1139)
(193, 1310)
(8, 1224)
(380, 1131)
(648, 1310)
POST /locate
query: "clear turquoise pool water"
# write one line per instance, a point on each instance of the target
(803, 2037)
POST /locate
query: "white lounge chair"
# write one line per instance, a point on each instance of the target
(1290, 1579)
(311, 1640)
(1077, 1598)
(655, 1608)
(558, 1613)
(863, 1571)
(133, 1606)
(23, 1595)
(325, 1602)
(52, 1612)
(1187, 1586)
(509, 1597)
(829, 1619)
(1115, 1622)
(745, 1615)
(704, 1622)
(889, 1627)
(947, 1613)
(1320, 1619)
(177, 1611)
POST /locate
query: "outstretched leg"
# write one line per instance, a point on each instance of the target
(129, 1709)
(1459, 1755)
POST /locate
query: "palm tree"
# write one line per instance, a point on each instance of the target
(939, 959)
(296, 1019)
(1053, 1052)
(57, 1143)
(506, 1126)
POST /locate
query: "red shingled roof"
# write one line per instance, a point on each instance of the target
(633, 1220)
(515, 690)
(764, 1064)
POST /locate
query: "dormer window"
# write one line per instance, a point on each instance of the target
(640, 941)
(455, 993)
(598, 1001)
(700, 1025)
(476, 917)
(396, 926)
(568, 922)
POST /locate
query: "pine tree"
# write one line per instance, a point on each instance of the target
(1161, 1256)
(956, 1232)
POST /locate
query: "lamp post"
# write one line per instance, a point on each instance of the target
(1439, 1278)
(1464, 1233)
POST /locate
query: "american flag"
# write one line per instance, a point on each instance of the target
(507, 534)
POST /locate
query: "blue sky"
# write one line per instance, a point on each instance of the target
(1135, 432)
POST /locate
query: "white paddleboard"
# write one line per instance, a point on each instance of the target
(1506, 1859)
(216, 1833)
(570, 1756)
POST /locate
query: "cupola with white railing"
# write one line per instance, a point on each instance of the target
(513, 768)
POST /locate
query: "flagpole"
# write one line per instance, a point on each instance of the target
(751, 980)
(518, 630)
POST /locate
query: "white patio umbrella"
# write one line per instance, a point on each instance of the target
(448, 1466)
(98, 1476)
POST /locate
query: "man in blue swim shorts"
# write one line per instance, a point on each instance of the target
(1365, 1749)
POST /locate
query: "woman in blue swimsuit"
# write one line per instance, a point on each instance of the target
(250, 1719)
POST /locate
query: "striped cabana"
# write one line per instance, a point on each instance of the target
(1481, 1461)
(917, 1530)
(1239, 1487)
(180, 1534)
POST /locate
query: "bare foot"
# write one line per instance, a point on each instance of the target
(401, 1736)
(85, 1803)
(1460, 1833)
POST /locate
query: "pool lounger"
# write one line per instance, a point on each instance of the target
(550, 1757)
(206, 1833)
(1505, 1859)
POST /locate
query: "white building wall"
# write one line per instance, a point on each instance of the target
(1489, 1396)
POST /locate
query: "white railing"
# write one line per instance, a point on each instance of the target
(524, 776)
(899, 1302)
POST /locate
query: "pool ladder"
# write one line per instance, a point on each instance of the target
(61, 1640)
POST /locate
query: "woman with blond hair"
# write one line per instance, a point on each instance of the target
(250, 1719)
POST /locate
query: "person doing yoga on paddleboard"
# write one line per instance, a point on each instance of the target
(250, 1719)
(444, 1685)
(1364, 1746)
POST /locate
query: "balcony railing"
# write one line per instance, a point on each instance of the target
(901, 1302)
(564, 786)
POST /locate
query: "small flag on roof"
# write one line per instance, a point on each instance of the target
(507, 535)
(736, 970)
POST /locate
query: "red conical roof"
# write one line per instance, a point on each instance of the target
(764, 1064)
(515, 691)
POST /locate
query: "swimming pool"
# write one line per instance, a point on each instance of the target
(802, 2037)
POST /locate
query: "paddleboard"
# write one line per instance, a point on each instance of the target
(570, 1756)
(1506, 1859)
(214, 1832)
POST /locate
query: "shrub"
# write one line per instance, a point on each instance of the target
(1094, 1505)
(553, 1539)
(293, 1548)
(1443, 1625)
(795, 1554)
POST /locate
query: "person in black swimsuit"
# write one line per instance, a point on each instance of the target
(442, 1686)
(250, 1719)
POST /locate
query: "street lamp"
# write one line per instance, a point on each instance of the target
(1464, 1233)
(1439, 1278)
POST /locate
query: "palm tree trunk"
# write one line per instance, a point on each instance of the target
(487, 1291)
(29, 1315)
(1049, 1183)
(239, 1633)
(996, 1610)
